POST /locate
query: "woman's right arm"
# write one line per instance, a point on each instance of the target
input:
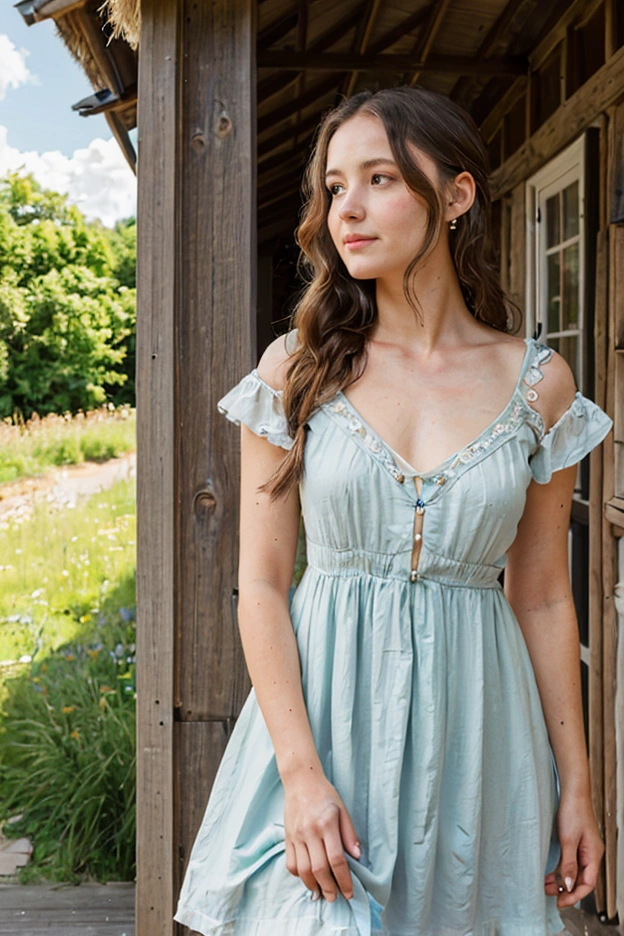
(317, 825)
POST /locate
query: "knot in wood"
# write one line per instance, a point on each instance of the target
(205, 502)
(224, 125)
(198, 140)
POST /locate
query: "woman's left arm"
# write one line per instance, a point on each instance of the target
(538, 587)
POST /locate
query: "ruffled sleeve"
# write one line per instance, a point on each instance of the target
(259, 406)
(580, 429)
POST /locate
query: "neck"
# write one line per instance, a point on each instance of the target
(444, 317)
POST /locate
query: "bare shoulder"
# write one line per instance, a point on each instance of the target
(272, 364)
(556, 390)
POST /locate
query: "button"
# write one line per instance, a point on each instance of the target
(417, 537)
(414, 575)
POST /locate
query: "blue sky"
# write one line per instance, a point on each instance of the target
(39, 81)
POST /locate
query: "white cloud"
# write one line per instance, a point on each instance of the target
(97, 178)
(13, 69)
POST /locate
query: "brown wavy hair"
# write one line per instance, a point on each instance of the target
(336, 313)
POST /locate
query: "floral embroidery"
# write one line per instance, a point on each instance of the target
(518, 410)
(371, 442)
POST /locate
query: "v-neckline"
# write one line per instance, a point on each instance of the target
(455, 455)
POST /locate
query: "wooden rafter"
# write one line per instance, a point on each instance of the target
(498, 34)
(278, 29)
(425, 41)
(308, 97)
(278, 139)
(330, 61)
(361, 41)
(277, 83)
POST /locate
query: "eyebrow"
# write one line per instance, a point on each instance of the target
(367, 164)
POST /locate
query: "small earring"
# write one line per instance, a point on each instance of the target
(453, 224)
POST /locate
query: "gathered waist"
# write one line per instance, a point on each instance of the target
(349, 562)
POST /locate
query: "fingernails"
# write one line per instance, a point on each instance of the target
(357, 850)
(314, 895)
(569, 883)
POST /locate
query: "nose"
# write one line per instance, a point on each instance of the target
(351, 206)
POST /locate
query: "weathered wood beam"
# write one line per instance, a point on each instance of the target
(341, 61)
(498, 34)
(278, 29)
(570, 119)
(362, 39)
(278, 139)
(284, 158)
(423, 45)
(196, 335)
(398, 32)
(276, 83)
(304, 100)
(156, 418)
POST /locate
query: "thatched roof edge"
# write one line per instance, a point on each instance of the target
(125, 18)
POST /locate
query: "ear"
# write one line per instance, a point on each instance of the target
(461, 192)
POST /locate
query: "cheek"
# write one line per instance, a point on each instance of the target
(404, 217)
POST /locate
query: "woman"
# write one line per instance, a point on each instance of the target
(411, 759)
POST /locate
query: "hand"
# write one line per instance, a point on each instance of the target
(581, 852)
(318, 829)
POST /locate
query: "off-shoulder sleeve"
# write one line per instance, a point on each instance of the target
(259, 406)
(580, 429)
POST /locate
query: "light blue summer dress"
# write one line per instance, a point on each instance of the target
(418, 683)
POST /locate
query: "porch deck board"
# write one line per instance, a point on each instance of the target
(108, 910)
(65, 910)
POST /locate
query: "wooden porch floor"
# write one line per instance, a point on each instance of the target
(65, 910)
(108, 910)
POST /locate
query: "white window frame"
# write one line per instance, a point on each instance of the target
(563, 170)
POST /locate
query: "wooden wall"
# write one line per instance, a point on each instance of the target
(196, 336)
(599, 102)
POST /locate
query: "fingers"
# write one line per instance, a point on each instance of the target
(321, 870)
(338, 863)
(349, 836)
(303, 865)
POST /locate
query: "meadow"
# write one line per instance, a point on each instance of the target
(67, 658)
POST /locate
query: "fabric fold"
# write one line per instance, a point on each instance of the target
(579, 430)
(259, 406)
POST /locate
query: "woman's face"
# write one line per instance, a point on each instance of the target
(375, 221)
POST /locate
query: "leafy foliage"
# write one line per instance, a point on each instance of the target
(67, 304)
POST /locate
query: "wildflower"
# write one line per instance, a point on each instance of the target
(94, 654)
(75, 734)
(68, 708)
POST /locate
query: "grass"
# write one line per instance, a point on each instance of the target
(29, 449)
(67, 685)
(57, 567)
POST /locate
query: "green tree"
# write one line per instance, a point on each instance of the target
(67, 304)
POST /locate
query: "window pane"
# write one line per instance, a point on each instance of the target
(553, 229)
(571, 211)
(570, 286)
(553, 292)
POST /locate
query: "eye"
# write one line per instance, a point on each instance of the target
(380, 175)
(332, 188)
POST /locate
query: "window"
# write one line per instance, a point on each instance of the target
(556, 253)
(561, 226)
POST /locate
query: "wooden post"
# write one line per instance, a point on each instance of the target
(196, 336)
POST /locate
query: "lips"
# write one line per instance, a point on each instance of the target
(358, 240)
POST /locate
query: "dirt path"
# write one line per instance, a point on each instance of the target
(61, 487)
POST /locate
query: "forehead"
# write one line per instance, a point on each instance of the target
(363, 137)
(359, 134)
